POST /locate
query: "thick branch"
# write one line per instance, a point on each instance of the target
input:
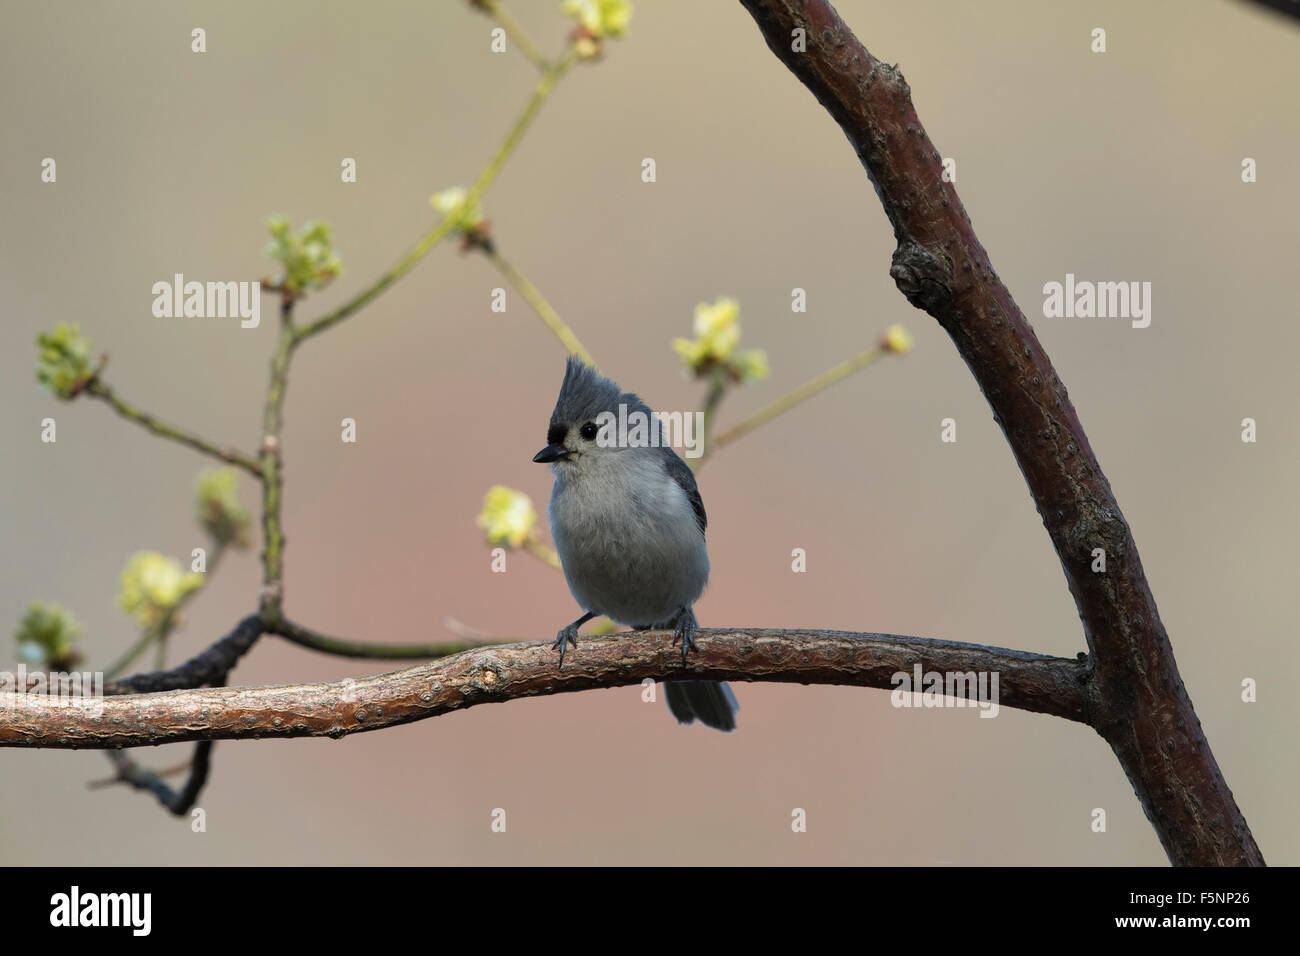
(1033, 682)
(1136, 696)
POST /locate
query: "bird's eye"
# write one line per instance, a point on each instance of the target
(588, 431)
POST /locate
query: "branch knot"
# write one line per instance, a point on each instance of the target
(924, 278)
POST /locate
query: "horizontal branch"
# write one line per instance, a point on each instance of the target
(1033, 682)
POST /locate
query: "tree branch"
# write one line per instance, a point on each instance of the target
(340, 647)
(208, 668)
(178, 802)
(513, 30)
(101, 391)
(272, 466)
(800, 395)
(533, 296)
(1136, 696)
(1033, 682)
(541, 93)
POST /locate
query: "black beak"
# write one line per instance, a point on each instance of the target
(551, 453)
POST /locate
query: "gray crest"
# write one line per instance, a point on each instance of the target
(586, 393)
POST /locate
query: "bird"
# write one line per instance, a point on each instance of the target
(628, 524)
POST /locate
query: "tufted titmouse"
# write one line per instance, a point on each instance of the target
(628, 524)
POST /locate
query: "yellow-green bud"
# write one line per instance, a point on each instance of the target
(153, 585)
(600, 18)
(507, 516)
(308, 258)
(897, 340)
(219, 511)
(64, 365)
(46, 635)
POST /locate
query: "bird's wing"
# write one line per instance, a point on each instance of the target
(681, 473)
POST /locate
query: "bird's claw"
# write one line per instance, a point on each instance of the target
(686, 626)
(567, 635)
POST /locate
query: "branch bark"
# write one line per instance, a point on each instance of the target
(1034, 682)
(1135, 695)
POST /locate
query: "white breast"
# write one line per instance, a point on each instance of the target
(628, 539)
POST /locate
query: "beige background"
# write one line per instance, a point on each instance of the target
(1123, 166)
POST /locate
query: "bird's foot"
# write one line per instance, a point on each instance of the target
(567, 635)
(686, 627)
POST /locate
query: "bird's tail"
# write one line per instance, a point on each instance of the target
(710, 700)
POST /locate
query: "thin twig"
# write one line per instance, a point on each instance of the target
(363, 650)
(272, 466)
(513, 30)
(135, 650)
(541, 93)
(533, 296)
(101, 391)
(717, 391)
(799, 395)
(543, 552)
(178, 802)
(463, 630)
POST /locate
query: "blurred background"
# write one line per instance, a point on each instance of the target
(1117, 166)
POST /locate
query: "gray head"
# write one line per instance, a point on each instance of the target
(584, 408)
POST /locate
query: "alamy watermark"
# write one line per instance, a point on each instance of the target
(208, 300)
(133, 911)
(1102, 300)
(636, 429)
(946, 689)
(82, 689)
